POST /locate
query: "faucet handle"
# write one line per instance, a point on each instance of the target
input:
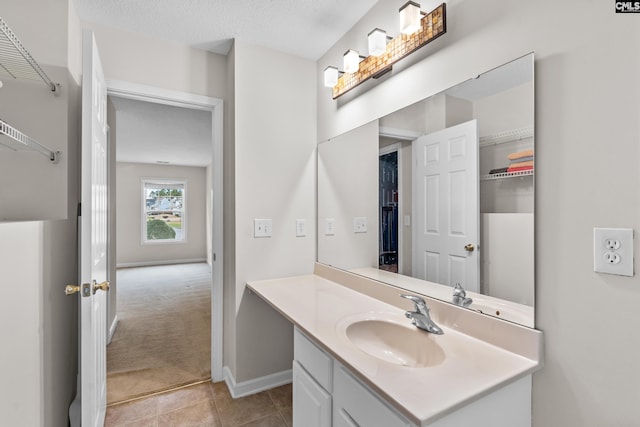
(419, 302)
(458, 291)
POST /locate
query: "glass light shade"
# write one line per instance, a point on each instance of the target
(351, 61)
(410, 18)
(377, 42)
(330, 76)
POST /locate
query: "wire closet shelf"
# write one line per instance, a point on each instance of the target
(16, 62)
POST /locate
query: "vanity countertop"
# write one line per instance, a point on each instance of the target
(471, 368)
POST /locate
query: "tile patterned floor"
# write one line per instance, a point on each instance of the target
(207, 404)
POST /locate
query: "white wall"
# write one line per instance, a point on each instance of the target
(135, 58)
(587, 95)
(130, 248)
(346, 191)
(21, 390)
(274, 163)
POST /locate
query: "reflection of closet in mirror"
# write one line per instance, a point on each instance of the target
(506, 192)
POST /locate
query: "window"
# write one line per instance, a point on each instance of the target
(163, 216)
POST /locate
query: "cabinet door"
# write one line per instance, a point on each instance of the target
(342, 419)
(311, 403)
(355, 405)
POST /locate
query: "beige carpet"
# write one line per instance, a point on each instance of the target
(163, 338)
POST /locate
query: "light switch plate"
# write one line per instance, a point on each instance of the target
(329, 226)
(613, 251)
(360, 224)
(262, 228)
(301, 228)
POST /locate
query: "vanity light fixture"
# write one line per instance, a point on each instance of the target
(331, 75)
(383, 53)
(377, 40)
(410, 16)
(351, 61)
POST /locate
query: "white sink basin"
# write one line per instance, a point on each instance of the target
(391, 341)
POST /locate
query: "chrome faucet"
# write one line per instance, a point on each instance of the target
(420, 317)
(460, 296)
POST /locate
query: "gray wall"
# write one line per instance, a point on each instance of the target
(130, 248)
(587, 94)
(274, 117)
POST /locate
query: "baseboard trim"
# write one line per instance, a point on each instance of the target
(162, 262)
(112, 329)
(256, 385)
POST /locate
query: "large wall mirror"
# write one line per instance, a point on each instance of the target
(439, 194)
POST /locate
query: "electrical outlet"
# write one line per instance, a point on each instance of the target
(613, 251)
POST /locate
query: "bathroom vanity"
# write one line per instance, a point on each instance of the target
(360, 362)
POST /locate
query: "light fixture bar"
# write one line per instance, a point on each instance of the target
(432, 26)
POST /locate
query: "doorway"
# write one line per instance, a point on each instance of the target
(388, 211)
(211, 258)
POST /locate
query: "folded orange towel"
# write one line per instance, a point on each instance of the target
(525, 153)
(521, 164)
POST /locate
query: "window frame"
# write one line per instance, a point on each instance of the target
(159, 183)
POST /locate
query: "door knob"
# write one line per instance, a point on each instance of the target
(74, 289)
(71, 289)
(469, 247)
(104, 286)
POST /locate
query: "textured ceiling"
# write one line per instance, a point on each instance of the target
(304, 28)
(148, 132)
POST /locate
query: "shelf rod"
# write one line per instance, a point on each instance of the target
(506, 136)
(26, 142)
(13, 57)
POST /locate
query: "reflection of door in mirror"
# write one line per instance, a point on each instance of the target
(388, 200)
(445, 208)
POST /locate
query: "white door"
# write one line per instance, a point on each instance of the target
(445, 207)
(92, 393)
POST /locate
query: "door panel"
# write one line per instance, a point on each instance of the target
(445, 186)
(93, 238)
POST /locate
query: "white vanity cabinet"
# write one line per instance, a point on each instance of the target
(312, 407)
(355, 405)
(478, 373)
(326, 394)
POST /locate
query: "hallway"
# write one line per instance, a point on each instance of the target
(163, 338)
